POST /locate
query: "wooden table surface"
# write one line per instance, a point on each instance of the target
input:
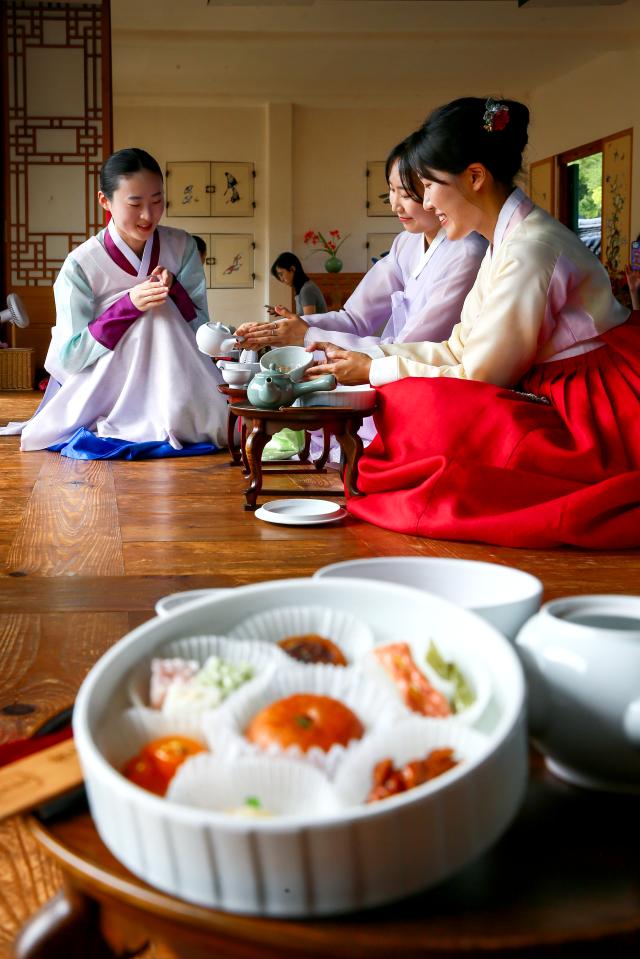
(261, 424)
(563, 880)
(88, 547)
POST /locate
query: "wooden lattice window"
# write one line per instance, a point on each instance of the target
(57, 132)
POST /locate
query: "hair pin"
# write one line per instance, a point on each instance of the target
(496, 115)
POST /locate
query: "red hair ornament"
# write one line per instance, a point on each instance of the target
(496, 115)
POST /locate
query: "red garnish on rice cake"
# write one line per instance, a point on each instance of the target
(416, 690)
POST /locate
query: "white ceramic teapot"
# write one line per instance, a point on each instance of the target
(214, 339)
(581, 656)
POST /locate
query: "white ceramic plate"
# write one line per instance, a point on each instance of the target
(300, 512)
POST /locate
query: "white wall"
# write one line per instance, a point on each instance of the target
(331, 148)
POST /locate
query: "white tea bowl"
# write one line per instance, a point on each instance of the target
(237, 374)
(504, 596)
(292, 360)
(581, 656)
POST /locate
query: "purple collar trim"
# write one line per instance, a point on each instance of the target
(123, 262)
(117, 256)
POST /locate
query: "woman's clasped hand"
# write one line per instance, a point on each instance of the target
(154, 291)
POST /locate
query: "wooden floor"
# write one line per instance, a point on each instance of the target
(87, 548)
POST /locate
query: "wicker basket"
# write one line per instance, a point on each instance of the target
(16, 369)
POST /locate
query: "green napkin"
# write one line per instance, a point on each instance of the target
(284, 445)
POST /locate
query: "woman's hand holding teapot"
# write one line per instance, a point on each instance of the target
(288, 331)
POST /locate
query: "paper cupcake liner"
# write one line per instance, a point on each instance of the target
(262, 657)
(412, 739)
(473, 669)
(274, 788)
(353, 636)
(224, 729)
(123, 737)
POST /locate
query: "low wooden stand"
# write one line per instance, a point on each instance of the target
(238, 395)
(341, 422)
(234, 394)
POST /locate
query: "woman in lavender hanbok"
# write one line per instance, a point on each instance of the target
(123, 357)
(415, 292)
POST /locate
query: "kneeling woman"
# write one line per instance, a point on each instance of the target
(520, 429)
(123, 358)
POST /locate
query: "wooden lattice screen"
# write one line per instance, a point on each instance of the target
(57, 132)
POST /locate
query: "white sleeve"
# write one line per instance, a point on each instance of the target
(369, 306)
(497, 338)
(456, 272)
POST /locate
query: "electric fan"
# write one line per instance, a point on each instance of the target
(15, 312)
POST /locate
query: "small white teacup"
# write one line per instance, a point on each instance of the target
(581, 656)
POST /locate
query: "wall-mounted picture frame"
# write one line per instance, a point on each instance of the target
(377, 190)
(232, 188)
(188, 188)
(210, 188)
(378, 245)
(230, 261)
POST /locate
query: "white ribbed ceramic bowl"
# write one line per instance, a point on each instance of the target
(301, 865)
(354, 397)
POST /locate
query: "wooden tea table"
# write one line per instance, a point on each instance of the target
(341, 422)
(234, 394)
(238, 395)
(563, 881)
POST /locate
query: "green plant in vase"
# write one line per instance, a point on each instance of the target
(333, 263)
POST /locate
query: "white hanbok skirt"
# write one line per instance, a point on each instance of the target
(155, 386)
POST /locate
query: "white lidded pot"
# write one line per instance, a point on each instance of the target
(581, 656)
(214, 339)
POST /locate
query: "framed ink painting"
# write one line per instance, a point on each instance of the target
(231, 256)
(233, 188)
(188, 188)
(377, 190)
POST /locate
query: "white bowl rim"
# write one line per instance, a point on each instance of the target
(103, 770)
(589, 601)
(306, 360)
(531, 585)
(238, 366)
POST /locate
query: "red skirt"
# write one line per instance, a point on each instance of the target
(464, 460)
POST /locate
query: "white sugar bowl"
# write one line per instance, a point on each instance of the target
(581, 656)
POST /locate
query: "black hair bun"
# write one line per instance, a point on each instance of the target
(487, 130)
